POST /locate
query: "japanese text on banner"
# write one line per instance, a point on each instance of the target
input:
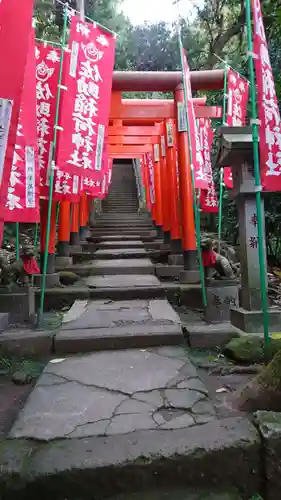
(237, 100)
(15, 28)
(22, 204)
(86, 95)
(197, 158)
(269, 115)
(47, 75)
(209, 200)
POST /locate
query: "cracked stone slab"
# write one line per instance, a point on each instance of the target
(122, 244)
(119, 252)
(106, 314)
(120, 281)
(104, 324)
(122, 266)
(111, 393)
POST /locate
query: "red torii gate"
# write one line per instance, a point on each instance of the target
(135, 139)
(162, 82)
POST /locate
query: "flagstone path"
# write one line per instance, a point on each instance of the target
(120, 407)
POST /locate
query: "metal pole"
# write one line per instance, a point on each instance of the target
(81, 8)
(36, 234)
(45, 263)
(221, 186)
(220, 209)
(17, 241)
(196, 212)
(260, 221)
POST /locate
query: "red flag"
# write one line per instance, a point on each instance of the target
(22, 203)
(15, 27)
(197, 158)
(269, 115)
(208, 200)
(85, 100)
(237, 100)
(47, 76)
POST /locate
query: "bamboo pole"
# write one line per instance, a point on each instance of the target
(260, 221)
(51, 180)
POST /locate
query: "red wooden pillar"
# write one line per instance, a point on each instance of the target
(74, 227)
(83, 215)
(186, 197)
(64, 229)
(157, 188)
(170, 140)
(165, 188)
(52, 238)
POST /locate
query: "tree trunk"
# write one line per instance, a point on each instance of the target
(263, 392)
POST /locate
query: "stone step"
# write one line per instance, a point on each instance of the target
(100, 325)
(113, 267)
(135, 237)
(126, 421)
(120, 244)
(121, 253)
(123, 231)
(113, 237)
(123, 224)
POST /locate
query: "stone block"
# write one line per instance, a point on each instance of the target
(252, 321)
(4, 321)
(269, 424)
(205, 336)
(167, 271)
(27, 342)
(176, 260)
(21, 305)
(75, 249)
(189, 276)
(221, 296)
(63, 261)
(52, 280)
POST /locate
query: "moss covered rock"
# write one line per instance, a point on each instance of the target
(249, 349)
(68, 278)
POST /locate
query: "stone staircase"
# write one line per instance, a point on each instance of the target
(121, 408)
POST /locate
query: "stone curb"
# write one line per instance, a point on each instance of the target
(223, 452)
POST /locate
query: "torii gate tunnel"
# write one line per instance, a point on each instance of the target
(136, 126)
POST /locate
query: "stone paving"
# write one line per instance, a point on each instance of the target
(111, 393)
(130, 280)
(106, 324)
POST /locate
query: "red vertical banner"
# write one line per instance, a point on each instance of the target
(22, 203)
(268, 110)
(197, 158)
(15, 27)
(47, 76)
(237, 100)
(209, 200)
(85, 105)
(150, 165)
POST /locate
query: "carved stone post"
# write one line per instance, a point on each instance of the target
(236, 149)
